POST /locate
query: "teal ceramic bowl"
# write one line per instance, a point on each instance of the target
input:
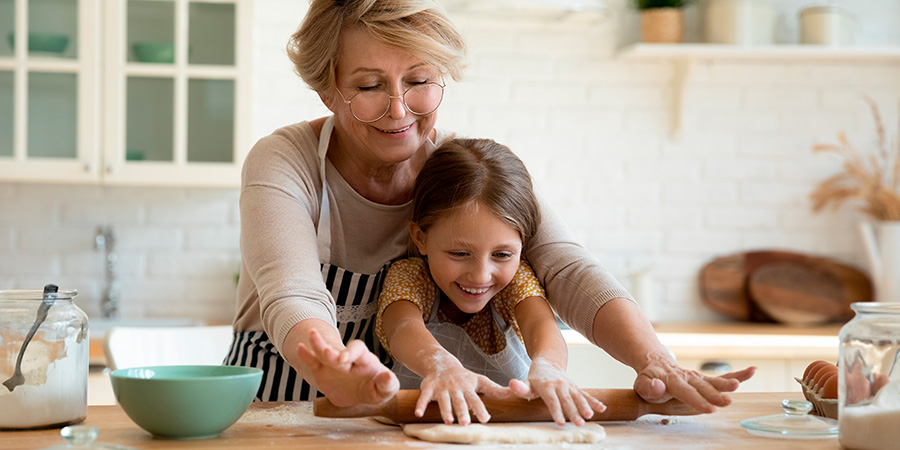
(154, 52)
(185, 402)
(43, 42)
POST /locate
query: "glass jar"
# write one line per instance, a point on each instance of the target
(52, 390)
(868, 381)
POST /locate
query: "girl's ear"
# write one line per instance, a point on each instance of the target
(418, 238)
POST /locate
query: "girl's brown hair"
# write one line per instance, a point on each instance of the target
(420, 27)
(463, 171)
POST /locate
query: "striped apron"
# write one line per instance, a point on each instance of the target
(356, 301)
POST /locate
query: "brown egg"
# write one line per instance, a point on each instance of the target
(811, 367)
(829, 386)
(879, 382)
(814, 371)
(825, 377)
(857, 386)
(821, 372)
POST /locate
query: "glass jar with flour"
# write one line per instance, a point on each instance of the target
(869, 379)
(43, 359)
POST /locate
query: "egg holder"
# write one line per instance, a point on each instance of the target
(825, 407)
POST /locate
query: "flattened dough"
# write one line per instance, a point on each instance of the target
(507, 433)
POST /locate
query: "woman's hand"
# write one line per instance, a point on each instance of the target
(456, 390)
(348, 376)
(562, 397)
(661, 379)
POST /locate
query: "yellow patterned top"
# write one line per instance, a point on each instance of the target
(409, 279)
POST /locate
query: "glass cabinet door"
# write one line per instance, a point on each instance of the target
(7, 113)
(211, 33)
(179, 72)
(52, 29)
(48, 78)
(151, 31)
(7, 27)
(168, 107)
(52, 115)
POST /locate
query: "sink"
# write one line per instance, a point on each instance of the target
(99, 326)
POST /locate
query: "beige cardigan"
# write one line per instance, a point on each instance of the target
(281, 282)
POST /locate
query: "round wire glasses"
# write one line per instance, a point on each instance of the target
(370, 106)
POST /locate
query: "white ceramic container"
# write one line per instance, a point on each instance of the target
(827, 25)
(742, 22)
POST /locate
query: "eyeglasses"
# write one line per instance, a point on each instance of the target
(371, 106)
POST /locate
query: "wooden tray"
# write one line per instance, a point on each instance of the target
(781, 286)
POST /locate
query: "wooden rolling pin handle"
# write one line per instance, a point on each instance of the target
(621, 405)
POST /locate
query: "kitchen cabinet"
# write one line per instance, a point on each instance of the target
(779, 352)
(137, 92)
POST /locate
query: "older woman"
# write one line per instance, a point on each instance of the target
(325, 205)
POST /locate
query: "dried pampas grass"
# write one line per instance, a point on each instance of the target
(872, 178)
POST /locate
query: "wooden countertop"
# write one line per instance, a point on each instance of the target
(292, 426)
(753, 339)
(742, 339)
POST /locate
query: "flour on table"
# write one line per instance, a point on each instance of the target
(385, 421)
(507, 433)
(283, 414)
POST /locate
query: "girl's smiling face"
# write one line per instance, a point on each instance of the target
(472, 255)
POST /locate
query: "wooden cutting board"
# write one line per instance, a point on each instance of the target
(621, 404)
(780, 286)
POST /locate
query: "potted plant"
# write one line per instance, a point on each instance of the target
(662, 21)
(871, 178)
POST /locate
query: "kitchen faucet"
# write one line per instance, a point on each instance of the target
(105, 241)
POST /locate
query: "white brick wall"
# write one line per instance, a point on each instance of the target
(177, 248)
(593, 129)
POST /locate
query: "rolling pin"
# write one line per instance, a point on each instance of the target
(621, 405)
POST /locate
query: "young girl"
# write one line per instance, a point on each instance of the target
(488, 322)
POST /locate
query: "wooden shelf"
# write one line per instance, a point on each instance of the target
(724, 51)
(684, 56)
(572, 12)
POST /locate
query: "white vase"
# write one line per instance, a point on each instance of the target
(882, 243)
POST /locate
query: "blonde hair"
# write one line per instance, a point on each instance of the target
(420, 27)
(463, 171)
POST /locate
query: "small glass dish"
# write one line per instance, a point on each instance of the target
(82, 438)
(795, 423)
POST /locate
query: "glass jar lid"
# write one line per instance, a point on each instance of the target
(876, 307)
(37, 294)
(795, 423)
(83, 438)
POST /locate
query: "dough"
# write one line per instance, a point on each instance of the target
(506, 433)
(385, 421)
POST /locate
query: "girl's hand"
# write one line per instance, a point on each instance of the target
(347, 376)
(562, 397)
(662, 379)
(456, 390)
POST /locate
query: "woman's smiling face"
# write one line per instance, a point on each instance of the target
(472, 255)
(365, 64)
